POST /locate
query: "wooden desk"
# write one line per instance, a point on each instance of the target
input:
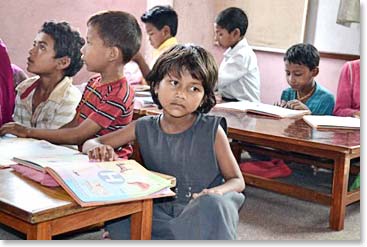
(293, 137)
(41, 212)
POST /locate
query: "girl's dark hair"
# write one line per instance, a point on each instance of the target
(197, 61)
(119, 29)
(67, 43)
(303, 54)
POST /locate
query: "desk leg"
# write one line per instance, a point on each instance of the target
(339, 192)
(41, 231)
(141, 222)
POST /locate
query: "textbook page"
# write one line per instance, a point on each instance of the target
(334, 122)
(12, 146)
(263, 109)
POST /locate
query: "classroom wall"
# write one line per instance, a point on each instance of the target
(195, 26)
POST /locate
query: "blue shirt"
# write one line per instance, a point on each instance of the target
(321, 101)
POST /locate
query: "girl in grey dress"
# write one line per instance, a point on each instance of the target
(186, 143)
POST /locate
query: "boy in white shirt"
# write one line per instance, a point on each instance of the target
(239, 77)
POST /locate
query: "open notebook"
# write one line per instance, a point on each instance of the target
(332, 122)
(263, 109)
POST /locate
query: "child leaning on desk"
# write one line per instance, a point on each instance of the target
(113, 38)
(301, 67)
(239, 76)
(186, 143)
(48, 100)
(161, 26)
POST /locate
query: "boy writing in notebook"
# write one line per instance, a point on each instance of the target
(238, 75)
(161, 26)
(301, 67)
(48, 100)
(113, 38)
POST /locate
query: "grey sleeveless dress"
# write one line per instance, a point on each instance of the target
(190, 157)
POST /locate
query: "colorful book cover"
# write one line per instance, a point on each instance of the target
(98, 183)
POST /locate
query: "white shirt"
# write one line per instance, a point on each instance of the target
(58, 110)
(239, 76)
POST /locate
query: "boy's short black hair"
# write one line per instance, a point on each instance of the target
(160, 16)
(68, 43)
(303, 54)
(232, 18)
(119, 29)
(197, 61)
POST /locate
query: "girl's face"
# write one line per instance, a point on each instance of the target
(299, 77)
(41, 59)
(180, 96)
(94, 52)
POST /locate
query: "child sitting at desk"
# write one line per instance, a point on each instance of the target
(348, 93)
(186, 143)
(48, 100)
(301, 67)
(239, 77)
(113, 38)
(161, 26)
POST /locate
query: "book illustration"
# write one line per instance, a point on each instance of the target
(263, 109)
(332, 122)
(97, 183)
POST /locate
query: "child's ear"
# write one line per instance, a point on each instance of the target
(315, 71)
(166, 31)
(236, 33)
(63, 62)
(115, 53)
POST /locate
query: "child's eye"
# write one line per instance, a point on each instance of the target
(194, 89)
(174, 82)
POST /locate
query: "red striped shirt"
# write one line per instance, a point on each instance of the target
(110, 105)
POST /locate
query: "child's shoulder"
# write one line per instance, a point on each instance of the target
(27, 83)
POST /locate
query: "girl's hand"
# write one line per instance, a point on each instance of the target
(15, 129)
(207, 191)
(357, 114)
(102, 153)
(296, 105)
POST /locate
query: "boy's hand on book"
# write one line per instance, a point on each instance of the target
(282, 103)
(102, 153)
(296, 105)
(205, 192)
(15, 129)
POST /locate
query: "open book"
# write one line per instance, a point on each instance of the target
(333, 122)
(263, 109)
(11, 146)
(98, 183)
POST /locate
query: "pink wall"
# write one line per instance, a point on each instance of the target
(21, 20)
(19, 25)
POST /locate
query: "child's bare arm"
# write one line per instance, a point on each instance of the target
(228, 165)
(73, 136)
(102, 148)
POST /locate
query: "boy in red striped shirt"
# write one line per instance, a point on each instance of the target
(113, 38)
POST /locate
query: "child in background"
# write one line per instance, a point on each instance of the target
(161, 26)
(238, 77)
(113, 38)
(7, 95)
(301, 67)
(48, 100)
(348, 93)
(186, 143)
